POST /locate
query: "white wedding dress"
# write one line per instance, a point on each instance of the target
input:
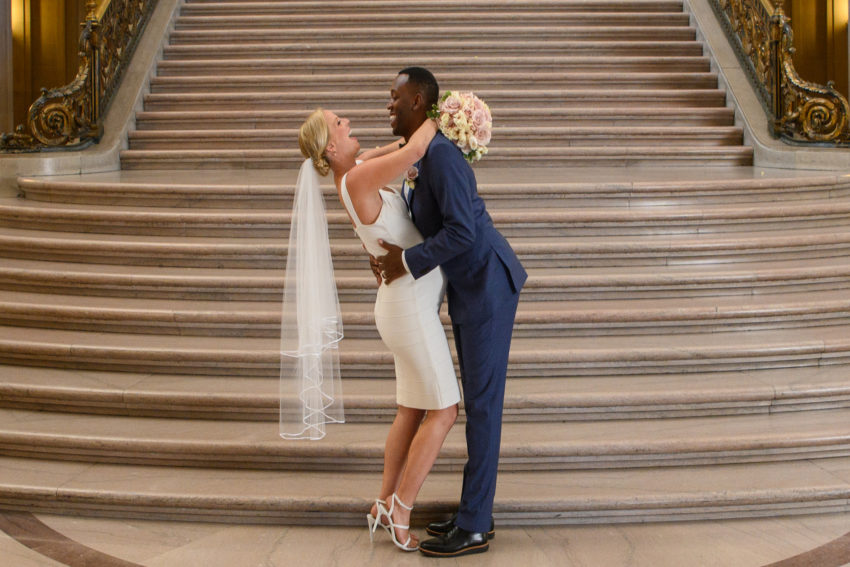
(407, 312)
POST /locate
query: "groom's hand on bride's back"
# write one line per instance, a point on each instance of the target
(391, 267)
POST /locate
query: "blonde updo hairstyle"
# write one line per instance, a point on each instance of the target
(313, 140)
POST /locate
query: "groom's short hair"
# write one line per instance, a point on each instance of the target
(425, 82)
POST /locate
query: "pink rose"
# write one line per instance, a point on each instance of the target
(480, 118)
(451, 105)
(483, 135)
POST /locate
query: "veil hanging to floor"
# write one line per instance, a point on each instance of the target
(311, 324)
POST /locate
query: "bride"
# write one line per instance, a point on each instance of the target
(406, 311)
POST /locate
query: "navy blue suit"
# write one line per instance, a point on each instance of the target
(484, 278)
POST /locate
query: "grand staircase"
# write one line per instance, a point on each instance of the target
(570, 82)
(682, 347)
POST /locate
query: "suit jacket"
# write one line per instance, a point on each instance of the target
(480, 265)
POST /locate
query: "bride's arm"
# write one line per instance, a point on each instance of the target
(381, 150)
(373, 174)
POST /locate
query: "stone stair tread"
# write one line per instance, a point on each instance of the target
(461, 19)
(676, 346)
(479, 62)
(577, 276)
(241, 442)
(129, 305)
(659, 178)
(235, 40)
(625, 156)
(584, 275)
(24, 209)
(624, 310)
(657, 10)
(507, 42)
(360, 115)
(615, 184)
(328, 497)
(743, 271)
(66, 239)
(753, 239)
(304, 6)
(570, 196)
(579, 397)
(365, 80)
(509, 137)
(577, 6)
(586, 151)
(647, 32)
(271, 118)
(565, 131)
(140, 274)
(380, 95)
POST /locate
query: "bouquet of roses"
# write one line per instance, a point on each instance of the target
(464, 119)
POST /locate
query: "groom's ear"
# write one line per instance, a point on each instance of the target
(418, 101)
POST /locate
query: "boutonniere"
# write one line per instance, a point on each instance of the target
(411, 176)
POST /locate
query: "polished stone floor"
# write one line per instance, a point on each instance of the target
(44, 540)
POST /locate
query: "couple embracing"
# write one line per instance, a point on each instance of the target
(432, 238)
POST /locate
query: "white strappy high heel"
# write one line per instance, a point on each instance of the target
(391, 528)
(373, 522)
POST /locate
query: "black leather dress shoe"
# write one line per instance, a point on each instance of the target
(444, 527)
(455, 543)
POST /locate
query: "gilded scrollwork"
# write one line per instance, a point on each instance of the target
(808, 111)
(747, 23)
(71, 116)
(801, 111)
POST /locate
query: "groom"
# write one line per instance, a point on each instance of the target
(484, 278)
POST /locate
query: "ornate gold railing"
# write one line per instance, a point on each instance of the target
(801, 111)
(71, 117)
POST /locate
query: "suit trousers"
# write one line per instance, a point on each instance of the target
(483, 348)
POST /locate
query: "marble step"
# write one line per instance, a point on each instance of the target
(568, 446)
(348, 253)
(529, 117)
(330, 498)
(371, 400)
(521, 222)
(293, 83)
(373, 7)
(513, 188)
(497, 157)
(240, 47)
(429, 20)
(397, 34)
(438, 64)
(601, 318)
(375, 100)
(358, 285)
(364, 358)
(504, 137)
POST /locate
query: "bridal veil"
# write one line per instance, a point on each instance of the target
(311, 325)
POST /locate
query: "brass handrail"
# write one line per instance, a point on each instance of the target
(801, 112)
(71, 117)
